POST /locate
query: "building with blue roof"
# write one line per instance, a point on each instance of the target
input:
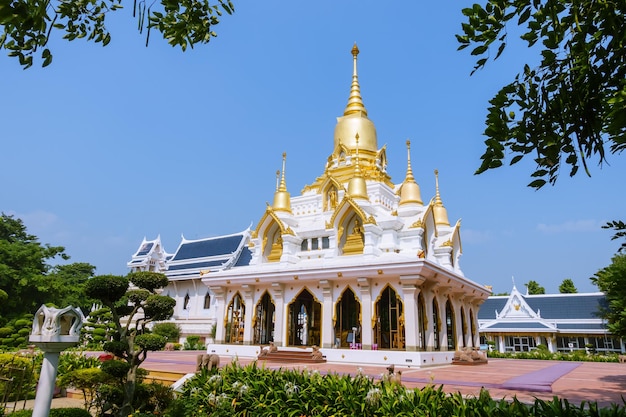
(561, 322)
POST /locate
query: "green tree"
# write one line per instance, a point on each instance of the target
(533, 287)
(570, 109)
(168, 329)
(23, 268)
(66, 285)
(612, 281)
(26, 26)
(132, 310)
(567, 287)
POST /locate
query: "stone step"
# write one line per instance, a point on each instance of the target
(291, 356)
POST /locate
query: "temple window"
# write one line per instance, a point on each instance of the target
(314, 244)
(186, 302)
(304, 246)
(207, 301)
(325, 242)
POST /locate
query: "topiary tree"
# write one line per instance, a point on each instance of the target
(132, 308)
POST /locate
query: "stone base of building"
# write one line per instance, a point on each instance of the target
(348, 356)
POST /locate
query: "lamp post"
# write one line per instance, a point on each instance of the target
(54, 330)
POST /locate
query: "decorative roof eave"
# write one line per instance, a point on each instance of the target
(342, 208)
(517, 307)
(270, 213)
(456, 236)
(359, 267)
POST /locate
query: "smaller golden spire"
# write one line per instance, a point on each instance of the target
(282, 199)
(355, 102)
(357, 188)
(441, 215)
(410, 191)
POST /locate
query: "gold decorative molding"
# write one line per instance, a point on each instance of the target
(447, 243)
(418, 223)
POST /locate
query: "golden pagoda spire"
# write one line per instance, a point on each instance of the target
(355, 102)
(441, 215)
(410, 191)
(282, 199)
(357, 188)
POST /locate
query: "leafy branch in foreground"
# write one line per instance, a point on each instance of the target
(26, 26)
(571, 108)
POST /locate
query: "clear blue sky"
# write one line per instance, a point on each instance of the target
(108, 145)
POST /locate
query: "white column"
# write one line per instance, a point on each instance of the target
(280, 336)
(501, 346)
(328, 330)
(367, 319)
(248, 296)
(220, 295)
(430, 327)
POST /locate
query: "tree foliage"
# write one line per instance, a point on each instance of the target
(27, 277)
(131, 311)
(567, 287)
(533, 287)
(612, 281)
(28, 25)
(569, 110)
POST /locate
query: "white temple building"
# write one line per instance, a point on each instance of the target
(356, 264)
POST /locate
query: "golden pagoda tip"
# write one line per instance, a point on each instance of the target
(355, 50)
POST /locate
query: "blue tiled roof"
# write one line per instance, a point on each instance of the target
(551, 307)
(145, 249)
(567, 307)
(488, 309)
(577, 326)
(524, 325)
(210, 247)
(244, 258)
(192, 265)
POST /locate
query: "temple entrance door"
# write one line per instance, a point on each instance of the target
(235, 319)
(450, 327)
(389, 329)
(421, 323)
(347, 320)
(305, 315)
(264, 320)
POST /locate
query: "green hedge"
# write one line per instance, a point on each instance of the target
(254, 391)
(54, 412)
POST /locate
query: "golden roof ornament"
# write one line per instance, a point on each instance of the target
(410, 191)
(357, 188)
(355, 118)
(355, 102)
(441, 215)
(282, 199)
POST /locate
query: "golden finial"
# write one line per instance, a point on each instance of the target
(357, 188)
(410, 191)
(282, 199)
(283, 185)
(355, 102)
(441, 215)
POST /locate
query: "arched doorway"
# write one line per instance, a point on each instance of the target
(436, 325)
(421, 323)
(389, 328)
(347, 319)
(472, 328)
(463, 328)
(264, 320)
(305, 320)
(450, 327)
(235, 319)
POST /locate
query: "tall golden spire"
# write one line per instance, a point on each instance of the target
(282, 199)
(410, 191)
(357, 188)
(355, 102)
(441, 215)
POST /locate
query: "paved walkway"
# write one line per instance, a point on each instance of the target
(604, 383)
